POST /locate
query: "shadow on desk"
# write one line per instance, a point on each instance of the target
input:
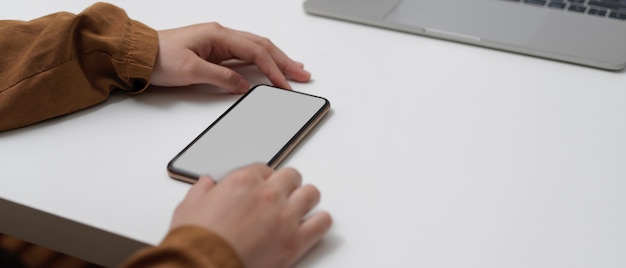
(15, 253)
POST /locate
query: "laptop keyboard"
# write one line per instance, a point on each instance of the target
(615, 9)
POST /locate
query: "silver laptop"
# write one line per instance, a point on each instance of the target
(586, 32)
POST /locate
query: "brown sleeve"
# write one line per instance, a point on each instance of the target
(63, 62)
(189, 247)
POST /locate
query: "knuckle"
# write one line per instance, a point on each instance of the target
(213, 26)
(314, 190)
(313, 194)
(294, 172)
(248, 174)
(266, 42)
(291, 174)
(270, 195)
(309, 197)
(244, 176)
(228, 76)
(260, 54)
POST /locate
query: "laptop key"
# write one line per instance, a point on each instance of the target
(597, 12)
(615, 9)
(535, 2)
(580, 9)
(618, 15)
(613, 5)
(557, 5)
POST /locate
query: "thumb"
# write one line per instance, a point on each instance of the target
(209, 73)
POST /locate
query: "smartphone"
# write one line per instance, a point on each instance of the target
(264, 125)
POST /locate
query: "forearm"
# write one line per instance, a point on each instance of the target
(63, 62)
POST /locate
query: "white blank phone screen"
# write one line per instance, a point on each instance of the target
(254, 131)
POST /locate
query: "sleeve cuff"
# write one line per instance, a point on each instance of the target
(190, 247)
(141, 55)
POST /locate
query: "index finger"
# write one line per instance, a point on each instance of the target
(246, 49)
(289, 67)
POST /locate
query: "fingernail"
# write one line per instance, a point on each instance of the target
(287, 86)
(243, 86)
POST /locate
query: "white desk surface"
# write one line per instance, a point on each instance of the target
(435, 154)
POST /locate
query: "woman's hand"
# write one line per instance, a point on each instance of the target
(192, 55)
(261, 213)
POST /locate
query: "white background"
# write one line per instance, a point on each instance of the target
(435, 154)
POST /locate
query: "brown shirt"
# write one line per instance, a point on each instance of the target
(62, 63)
(187, 246)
